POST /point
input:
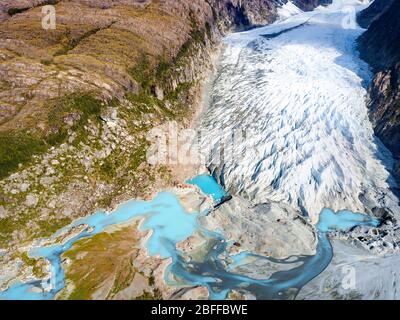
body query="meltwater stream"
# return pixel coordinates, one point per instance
(164, 215)
(171, 224)
(299, 83)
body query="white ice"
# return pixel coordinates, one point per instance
(300, 98)
(288, 10)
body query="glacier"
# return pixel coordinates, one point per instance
(287, 120)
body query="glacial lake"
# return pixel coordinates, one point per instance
(209, 186)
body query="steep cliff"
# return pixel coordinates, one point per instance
(373, 12)
(380, 43)
(380, 46)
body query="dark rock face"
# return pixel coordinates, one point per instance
(380, 46)
(385, 107)
(239, 15)
(9, 8)
(308, 5)
(373, 12)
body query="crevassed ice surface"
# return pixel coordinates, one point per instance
(295, 91)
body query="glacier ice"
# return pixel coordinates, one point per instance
(294, 92)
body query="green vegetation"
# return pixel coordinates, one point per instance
(50, 226)
(164, 68)
(142, 73)
(35, 264)
(151, 280)
(123, 279)
(180, 89)
(7, 226)
(108, 169)
(138, 156)
(86, 104)
(46, 62)
(81, 108)
(28, 261)
(13, 11)
(196, 36)
(42, 228)
(145, 103)
(118, 160)
(18, 147)
(72, 42)
(156, 295)
(147, 76)
(103, 260)
(70, 114)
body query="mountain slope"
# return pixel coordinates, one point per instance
(76, 102)
(373, 12)
(379, 46)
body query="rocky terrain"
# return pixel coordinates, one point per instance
(379, 46)
(372, 12)
(308, 5)
(271, 230)
(76, 103)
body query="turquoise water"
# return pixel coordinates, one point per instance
(164, 215)
(344, 220)
(240, 259)
(220, 279)
(170, 224)
(209, 186)
(213, 274)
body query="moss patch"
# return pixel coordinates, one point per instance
(17, 148)
(79, 107)
(101, 261)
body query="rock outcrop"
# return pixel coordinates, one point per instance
(269, 229)
(373, 12)
(308, 5)
(379, 46)
(380, 43)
